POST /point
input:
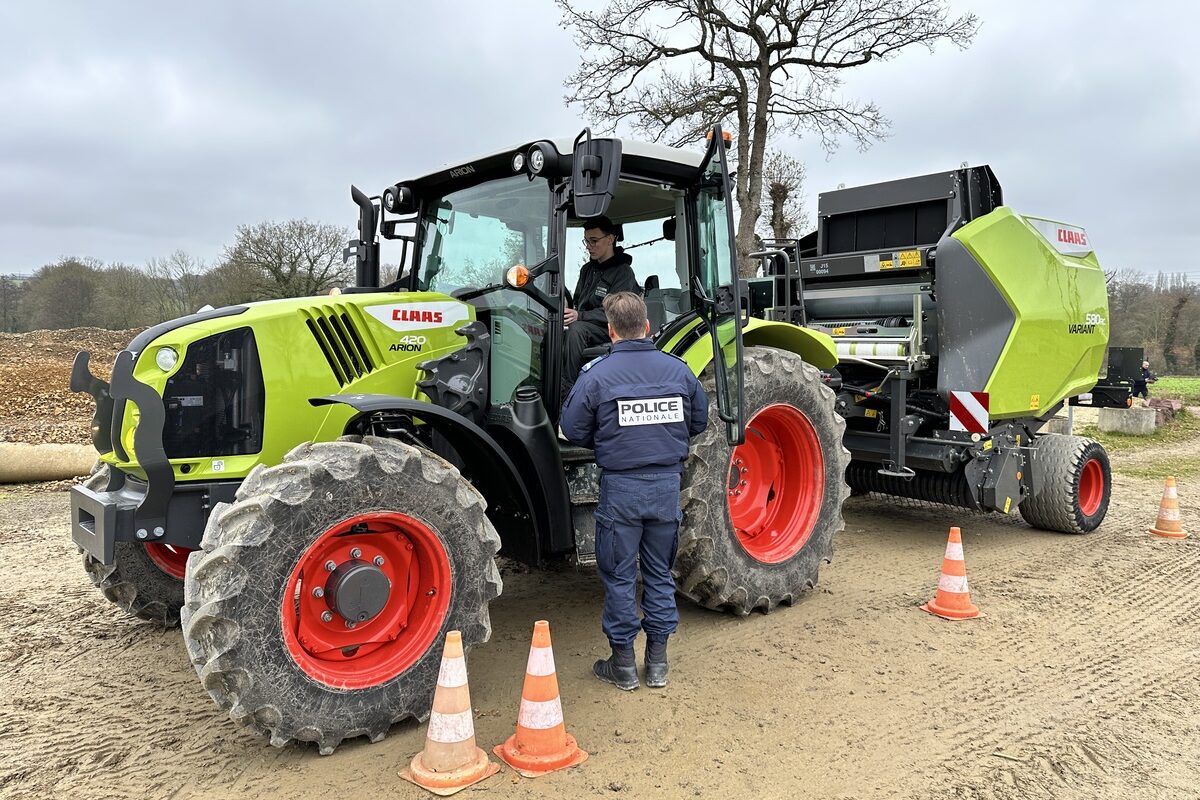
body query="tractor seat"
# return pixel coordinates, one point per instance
(656, 309)
(656, 312)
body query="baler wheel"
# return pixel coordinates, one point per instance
(1076, 485)
(759, 519)
(143, 582)
(317, 607)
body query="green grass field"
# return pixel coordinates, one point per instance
(1177, 386)
(1185, 427)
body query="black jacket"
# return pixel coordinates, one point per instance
(597, 281)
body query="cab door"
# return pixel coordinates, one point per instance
(715, 282)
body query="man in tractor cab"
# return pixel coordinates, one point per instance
(608, 271)
(637, 407)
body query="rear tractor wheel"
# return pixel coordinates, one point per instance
(1076, 485)
(759, 518)
(317, 607)
(145, 580)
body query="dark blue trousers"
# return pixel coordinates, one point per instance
(638, 518)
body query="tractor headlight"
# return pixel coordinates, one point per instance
(537, 160)
(518, 162)
(166, 358)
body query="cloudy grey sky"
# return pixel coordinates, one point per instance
(130, 129)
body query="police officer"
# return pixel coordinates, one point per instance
(636, 407)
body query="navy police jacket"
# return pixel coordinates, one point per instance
(636, 407)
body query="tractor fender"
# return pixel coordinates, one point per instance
(814, 347)
(510, 502)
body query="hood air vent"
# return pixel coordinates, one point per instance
(340, 341)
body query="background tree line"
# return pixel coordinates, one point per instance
(1160, 313)
(269, 260)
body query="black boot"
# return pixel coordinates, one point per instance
(656, 662)
(619, 669)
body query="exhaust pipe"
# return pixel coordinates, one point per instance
(366, 246)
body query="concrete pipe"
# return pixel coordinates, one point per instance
(23, 463)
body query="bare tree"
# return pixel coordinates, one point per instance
(783, 182)
(672, 68)
(1178, 290)
(125, 298)
(296, 258)
(178, 283)
(230, 284)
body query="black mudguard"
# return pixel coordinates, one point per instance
(522, 514)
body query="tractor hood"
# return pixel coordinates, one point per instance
(214, 379)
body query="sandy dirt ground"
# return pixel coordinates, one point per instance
(1080, 681)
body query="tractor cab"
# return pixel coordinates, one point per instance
(504, 234)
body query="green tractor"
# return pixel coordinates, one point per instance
(319, 487)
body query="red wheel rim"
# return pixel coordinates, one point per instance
(1091, 487)
(169, 558)
(776, 484)
(374, 651)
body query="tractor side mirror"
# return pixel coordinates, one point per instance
(595, 170)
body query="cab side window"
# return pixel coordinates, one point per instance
(660, 266)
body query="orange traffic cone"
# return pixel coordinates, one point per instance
(450, 761)
(953, 599)
(1168, 514)
(541, 743)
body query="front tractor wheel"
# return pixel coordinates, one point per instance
(146, 580)
(1075, 485)
(759, 518)
(316, 608)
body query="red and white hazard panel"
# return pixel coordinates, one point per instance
(969, 412)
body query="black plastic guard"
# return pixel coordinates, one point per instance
(82, 380)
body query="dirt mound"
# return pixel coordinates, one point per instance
(35, 372)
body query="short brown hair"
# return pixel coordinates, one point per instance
(626, 314)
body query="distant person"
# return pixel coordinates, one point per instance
(608, 271)
(1140, 383)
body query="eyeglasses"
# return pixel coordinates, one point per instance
(595, 240)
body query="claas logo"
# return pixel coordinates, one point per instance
(1072, 237)
(415, 315)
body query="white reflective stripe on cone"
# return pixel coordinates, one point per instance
(953, 583)
(541, 661)
(1170, 492)
(451, 728)
(453, 673)
(954, 551)
(1171, 514)
(540, 715)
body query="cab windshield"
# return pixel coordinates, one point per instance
(472, 236)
